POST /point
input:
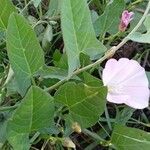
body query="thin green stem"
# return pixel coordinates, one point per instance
(76, 72)
(108, 54)
(26, 6)
(93, 135)
(108, 119)
(40, 11)
(134, 3)
(33, 81)
(141, 20)
(8, 108)
(39, 22)
(25, 2)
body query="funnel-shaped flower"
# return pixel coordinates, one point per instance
(125, 20)
(127, 83)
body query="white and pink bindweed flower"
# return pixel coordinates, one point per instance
(125, 20)
(127, 83)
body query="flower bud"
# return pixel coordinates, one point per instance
(125, 20)
(67, 142)
(76, 127)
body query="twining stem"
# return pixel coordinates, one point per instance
(108, 54)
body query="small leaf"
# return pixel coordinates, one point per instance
(91, 80)
(54, 8)
(24, 51)
(109, 20)
(130, 138)
(142, 38)
(6, 8)
(85, 103)
(60, 60)
(124, 115)
(34, 113)
(78, 33)
(36, 3)
(84, 60)
(48, 35)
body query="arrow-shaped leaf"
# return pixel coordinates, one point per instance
(85, 103)
(24, 51)
(78, 33)
(35, 112)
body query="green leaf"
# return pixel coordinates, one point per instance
(24, 51)
(109, 20)
(36, 3)
(124, 115)
(6, 8)
(91, 80)
(85, 103)
(47, 37)
(130, 138)
(137, 16)
(142, 38)
(60, 60)
(84, 60)
(34, 113)
(54, 8)
(54, 73)
(78, 33)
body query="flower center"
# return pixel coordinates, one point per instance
(115, 89)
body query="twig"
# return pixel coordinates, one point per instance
(8, 108)
(108, 54)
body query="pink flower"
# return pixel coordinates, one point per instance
(125, 20)
(127, 83)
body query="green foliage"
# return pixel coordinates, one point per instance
(109, 20)
(30, 118)
(36, 2)
(145, 37)
(130, 138)
(24, 51)
(124, 115)
(6, 8)
(54, 8)
(54, 73)
(85, 103)
(91, 80)
(35, 112)
(3, 125)
(48, 36)
(78, 33)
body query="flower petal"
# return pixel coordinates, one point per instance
(114, 70)
(118, 99)
(107, 71)
(127, 83)
(138, 97)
